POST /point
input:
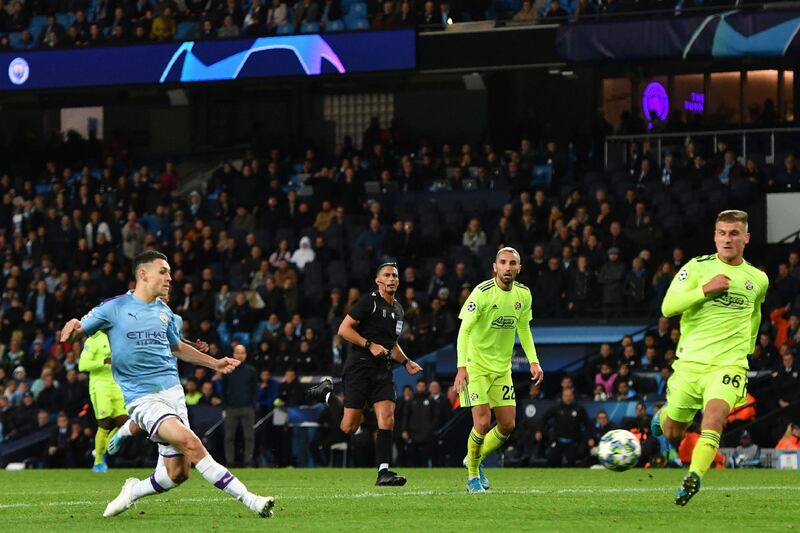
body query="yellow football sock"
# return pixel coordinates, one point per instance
(704, 452)
(100, 444)
(494, 439)
(474, 445)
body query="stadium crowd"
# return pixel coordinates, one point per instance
(57, 24)
(273, 251)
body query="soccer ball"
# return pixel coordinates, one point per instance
(619, 450)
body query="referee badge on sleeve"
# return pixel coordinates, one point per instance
(471, 306)
(683, 274)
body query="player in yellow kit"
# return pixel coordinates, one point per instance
(495, 312)
(105, 394)
(719, 299)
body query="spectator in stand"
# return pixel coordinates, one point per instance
(606, 378)
(730, 169)
(786, 383)
(635, 287)
(474, 237)
(610, 278)
(787, 178)
(407, 18)
(418, 426)
(526, 14)
(555, 11)
(786, 331)
(305, 11)
(164, 26)
(569, 432)
(228, 30)
(786, 286)
(277, 14)
(303, 255)
(551, 290)
(790, 439)
(428, 17)
(51, 27)
(386, 19)
(240, 390)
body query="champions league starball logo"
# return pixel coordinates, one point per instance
(655, 103)
(18, 71)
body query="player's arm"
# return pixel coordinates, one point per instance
(400, 356)
(347, 329)
(99, 318)
(685, 291)
(190, 355)
(470, 313)
(526, 341)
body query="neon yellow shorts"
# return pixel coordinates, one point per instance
(495, 389)
(107, 401)
(692, 385)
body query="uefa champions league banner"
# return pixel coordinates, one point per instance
(726, 34)
(210, 61)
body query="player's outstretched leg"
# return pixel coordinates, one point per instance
(133, 489)
(181, 437)
(714, 417)
(115, 442)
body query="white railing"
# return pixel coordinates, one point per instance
(659, 139)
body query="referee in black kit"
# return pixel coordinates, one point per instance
(371, 327)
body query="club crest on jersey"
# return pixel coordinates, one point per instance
(683, 274)
(471, 306)
(748, 285)
(517, 306)
(164, 318)
(473, 396)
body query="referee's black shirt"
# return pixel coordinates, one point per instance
(379, 322)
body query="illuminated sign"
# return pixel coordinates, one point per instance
(206, 61)
(696, 103)
(655, 103)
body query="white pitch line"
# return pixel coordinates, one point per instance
(363, 495)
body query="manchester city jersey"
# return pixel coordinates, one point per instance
(141, 336)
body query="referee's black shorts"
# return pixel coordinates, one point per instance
(366, 384)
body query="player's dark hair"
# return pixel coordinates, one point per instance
(386, 264)
(148, 256)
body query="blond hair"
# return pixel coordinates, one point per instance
(508, 249)
(733, 215)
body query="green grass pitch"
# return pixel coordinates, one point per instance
(433, 500)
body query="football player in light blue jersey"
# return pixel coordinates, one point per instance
(145, 341)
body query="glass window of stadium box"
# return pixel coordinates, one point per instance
(616, 99)
(708, 101)
(351, 113)
(787, 96)
(724, 99)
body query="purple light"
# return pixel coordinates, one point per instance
(655, 103)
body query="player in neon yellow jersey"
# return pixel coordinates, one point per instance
(719, 299)
(495, 312)
(105, 394)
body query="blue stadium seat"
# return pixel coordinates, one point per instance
(309, 27)
(186, 30)
(542, 176)
(285, 29)
(346, 5)
(15, 40)
(36, 24)
(358, 9)
(335, 25)
(65, 19)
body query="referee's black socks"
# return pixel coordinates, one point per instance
(383, 449)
